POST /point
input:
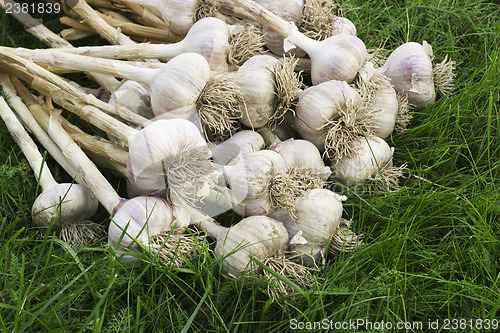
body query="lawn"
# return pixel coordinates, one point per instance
(432, 249)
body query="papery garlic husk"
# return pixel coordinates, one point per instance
(179, 14)
(64, 207)
(180, 162)
(287, 10)
(133, 96)
(139, 220)
(302, 154)
(240, 144)
(331, 116)
(317, 217)
(410, 70)
(372, 161)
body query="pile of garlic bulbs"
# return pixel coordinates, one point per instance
(259, 107)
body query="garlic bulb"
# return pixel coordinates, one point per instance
(380, 99)
(331, 116)
(303, 155)
(410, 70)
(240, 144)
(133, 96)
(269, 86)
(261, 238)
(177, 162)
(343, 25)
(372, 161)
(139, 220)
(317, 217)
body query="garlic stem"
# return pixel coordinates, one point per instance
(87, 112)
(29, 148)
(87, 172)
(37, 29)
(26, 117)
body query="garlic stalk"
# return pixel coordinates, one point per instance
(185, 160)
(191, 93)
(336, 58)
(261, 238)
(146, 221)
(372, 161)
(269, 87)
(411, 71)
(36, 28)
(62, 207)
(332, 116)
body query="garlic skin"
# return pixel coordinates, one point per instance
(257, 81)
(409, 68)
(343, 25)
(179, 14)
(317, 216)
(372, 155)
(141, 218)
(133, 96)
(258, 236)
(64, 203)
(302, 154)
(239, 145)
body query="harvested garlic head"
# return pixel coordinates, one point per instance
(372, 155)
(179, 14)
(140, 218)
(259, 236)
(304, 155)
(133, 96)
(380, 100)
(317, 215)
(409, 68)
(170, 154)
(331, 116)
(63, 205)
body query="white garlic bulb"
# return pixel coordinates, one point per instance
(180, 161)
(343, 25)
(330, 115)
(410, 70)
(317, 217)
(140, 218)
(304, 155)
(372, 155)
(237, 146)
(259, 236)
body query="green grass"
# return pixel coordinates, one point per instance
(432, 249)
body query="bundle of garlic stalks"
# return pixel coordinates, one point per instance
(260, 108)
